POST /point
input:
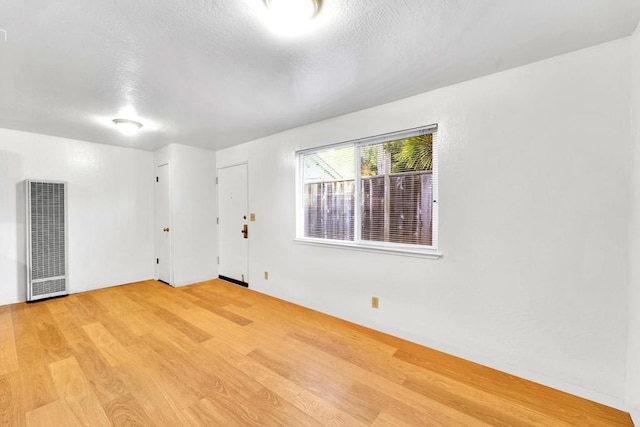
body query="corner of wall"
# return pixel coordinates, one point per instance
(161, 156)
(192, 211)
(632, 392)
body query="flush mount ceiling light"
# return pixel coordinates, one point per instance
(290, 17)
(293, 10)
(127, 127)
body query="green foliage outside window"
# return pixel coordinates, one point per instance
(411, 154)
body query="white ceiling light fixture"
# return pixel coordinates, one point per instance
(291, 17)
(293, 10)
(127, 127)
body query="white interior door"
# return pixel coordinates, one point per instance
(163, 221)
(233, 224)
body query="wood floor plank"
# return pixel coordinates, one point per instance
(218, 354)
(172, 302)
(302, 398)
(128, 331)
(117, 302)
(58, 306)
(364, 403)
(235, 409)
(204, 413)
(221, 406)
(92, 305)
(145, 391)
(37, 388)
(438, 387)
(216, 308)
(335, 378)
(140, 297)
(330, 387)
(452, 396)
(54, 413)
(220, 328)
(126, 411)
(103, 378)
(53, 341)
(355, 354)
(8, 353)
(387, 420)
(70, 328)
(193, 332)
(11, 411)
(216, 294)
(107, 344)
(427, 415)
(6, 320)
(212, 368)
(566, 408)
(281, 411)
(484, 411)
(81, 313)
(175, 388)
(74, 389)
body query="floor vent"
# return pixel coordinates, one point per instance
(47, 274)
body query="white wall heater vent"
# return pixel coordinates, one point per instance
(47, 272)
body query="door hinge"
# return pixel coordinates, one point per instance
(157, 179)
(216, 180)
(218, 220)
(157, 260)
(218, 260)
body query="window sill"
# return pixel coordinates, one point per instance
(417, 253)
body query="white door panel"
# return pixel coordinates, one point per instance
(163, 220)
(233, 220)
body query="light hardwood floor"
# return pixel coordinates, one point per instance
(218, 354)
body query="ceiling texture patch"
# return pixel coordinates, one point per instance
(213, 74)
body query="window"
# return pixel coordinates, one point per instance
(377, 193)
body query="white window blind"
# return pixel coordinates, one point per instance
(329, 193)
(378, 191)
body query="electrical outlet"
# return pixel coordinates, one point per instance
(266, 275)
(374, 302)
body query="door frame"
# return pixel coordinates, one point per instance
(156, 224)
(231, 165)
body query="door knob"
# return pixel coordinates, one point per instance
(166, 230)
(245, 231)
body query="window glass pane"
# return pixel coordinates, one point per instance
(328, 193)
(397, 191)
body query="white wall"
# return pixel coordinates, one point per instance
(193, 212)
(110, 203)
(534, 185)
(633, 355)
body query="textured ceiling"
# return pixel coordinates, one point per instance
(211, 73)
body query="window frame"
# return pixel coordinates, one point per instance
(357, 243)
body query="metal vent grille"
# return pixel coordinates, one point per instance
(47, 238)
(48, 287)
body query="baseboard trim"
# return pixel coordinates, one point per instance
(635, 417)
(33, 301)
(194, 281)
